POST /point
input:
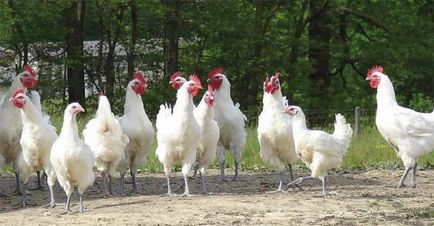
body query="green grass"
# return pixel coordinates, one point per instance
(368, 150)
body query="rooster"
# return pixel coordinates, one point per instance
(71, 158)
(10, 121)
(275, 130)
(319, 150)
(230, 120)
(105, 138)
(138, 128)
(36, 140)
(204, 115)
(178, 133)
(410, 133)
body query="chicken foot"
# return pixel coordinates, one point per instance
(134, 190)
(187, 190)
(52, 203)
(413, 176)
(404, 175)
(291, 175)
(169, 187)
(298, 181)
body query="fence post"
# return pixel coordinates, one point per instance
(357, 114)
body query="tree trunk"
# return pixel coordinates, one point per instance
(100, 59)
(255, 70)
(109, 68)
(171, 33)
(131, 54)
(319, 40)
(74, 50)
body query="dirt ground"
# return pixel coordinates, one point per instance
(358, 198)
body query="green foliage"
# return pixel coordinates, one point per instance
(421, 103)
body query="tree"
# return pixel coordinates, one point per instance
(171, 35)
(74, 50)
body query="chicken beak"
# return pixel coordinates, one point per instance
(81, 109)
(367, 78)
(170, 82)
(11, 99)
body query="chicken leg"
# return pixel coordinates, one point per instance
(202, 183)
(17, 189)
(291, 175)
(404, 175)
(298, 181)
(81, 203)
(104, 185)
(169, 187)
(24, 194)
(187, 190)
(52, 203)
(110, 190)
(39, 186)
(133, 179)
(196, 167)
(413, 176)
(324, 185)
(280, 178)
(222, 171)
(237, 166)
(122, 184)
(68, 203)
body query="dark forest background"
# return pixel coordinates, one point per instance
(322, 48)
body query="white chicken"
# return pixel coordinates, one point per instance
(210, 133)
(71, 158)
(275, 130)
(410, 133)
(319, 150)
(178, 132)
(10, 122)
(105, 138)
(230, 120)
(36, 100)
(36, 140)
(138, 128)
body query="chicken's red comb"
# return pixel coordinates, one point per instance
(195, 79)
(214, 71)
(139, 76)
(375, 68)
(17, 91)
(29, 70)
(175, 75)
(267, 80)
(275, 76)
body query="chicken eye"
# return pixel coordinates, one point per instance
(74, 107)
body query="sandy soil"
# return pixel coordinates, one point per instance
(358, 198)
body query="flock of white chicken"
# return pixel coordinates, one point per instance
(188, 134)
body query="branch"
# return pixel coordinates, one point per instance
(364, 33)
(316, 13)
(268, 19)
(366, 18)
